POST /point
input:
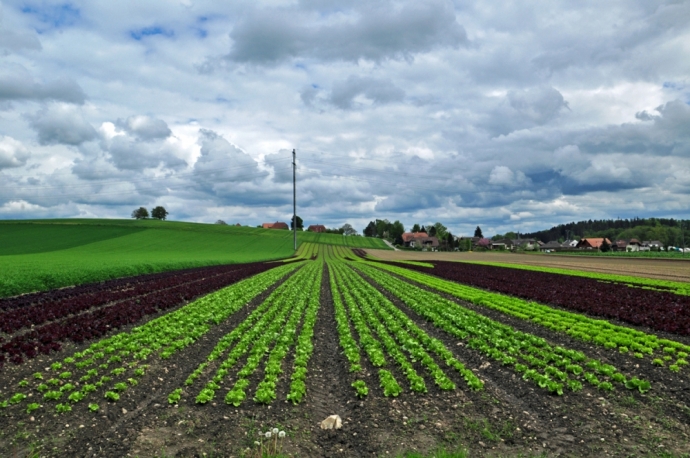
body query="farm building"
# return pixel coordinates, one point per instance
(419, 239)
(633, 245)
(553, 245)
(593, 243)
(316, 228)
(620, 245)
(276, 225)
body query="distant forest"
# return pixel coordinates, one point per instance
(663, 229)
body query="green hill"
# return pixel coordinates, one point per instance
(45, 254)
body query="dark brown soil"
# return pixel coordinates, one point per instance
(510, 417)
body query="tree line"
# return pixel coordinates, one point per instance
(393, 231)
(665, 230)
(156, 213)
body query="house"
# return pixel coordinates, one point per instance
(633, 245)
(620, 245)
(526, 244)
(276, 225)
(551, 246)
(592, 243)
(419, 239)
(498, 245)
(569, 244)
(316, 228)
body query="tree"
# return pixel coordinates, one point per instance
(300, 223)
(423, 229)
(415, 228)
(605, 247)
(382, 228)
(347, 229)
(159, 213)
(140, 213)
(220, 221)
(441, 230)
(478, 232)
(370, 230)
(449, 241)
(432, 232)
(396, 230)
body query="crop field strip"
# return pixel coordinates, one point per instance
(33, 311)
(370, 310)
(675, 287)
(659, 310)
(552, 367)
(90, 315)
(48, 254)
(163, 336)
(598, 332)
(274, 322)
(396, 326)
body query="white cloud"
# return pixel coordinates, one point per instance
(12, 153)
(481, 113)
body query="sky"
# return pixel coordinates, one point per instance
(514, 116)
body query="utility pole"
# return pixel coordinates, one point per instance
(294, 196)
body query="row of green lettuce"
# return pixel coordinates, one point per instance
(550, 366)
(660, 352)
(113, 365)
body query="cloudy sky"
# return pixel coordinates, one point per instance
(510, 115)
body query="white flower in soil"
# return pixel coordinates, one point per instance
(268, 434)
(274, 430)
(257, 443)
(281, 434)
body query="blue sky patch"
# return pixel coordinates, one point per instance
(150, 31)
(54, 16)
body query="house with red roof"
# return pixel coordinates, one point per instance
(419, 239)
(316, 228)
(592, 243)
(276, 225)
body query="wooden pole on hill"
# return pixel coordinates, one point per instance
(294, 197)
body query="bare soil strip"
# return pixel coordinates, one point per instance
(662, 269)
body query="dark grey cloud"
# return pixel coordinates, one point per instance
(127, 153)
(526, 108)
(16, 84)
(96, 168)
(406, 201)
(145, 127)
(376, 31)
(281, 163)
(222, 165)
(61, 124)
(12, 153)
(378, 91)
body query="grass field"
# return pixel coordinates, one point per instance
(46, 254)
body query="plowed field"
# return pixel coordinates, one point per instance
(675, 270)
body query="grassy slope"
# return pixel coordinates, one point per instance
(46, 254)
